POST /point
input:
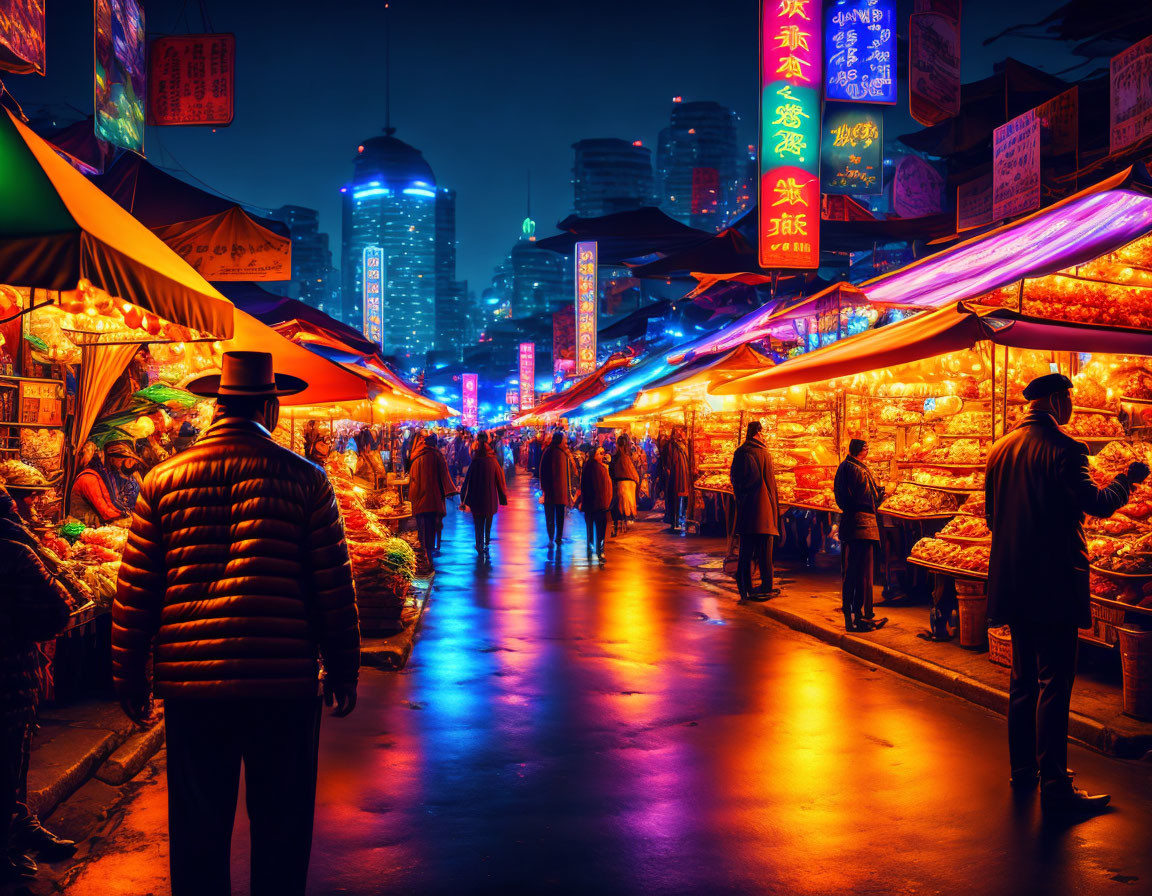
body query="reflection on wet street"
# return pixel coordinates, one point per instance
(566, 728)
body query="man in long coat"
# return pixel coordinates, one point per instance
(857, 496)
(677, 480)
(595, 499)
(1037, 490)
(757, 513)
(557, 476)
(483, 491)
(429, 486)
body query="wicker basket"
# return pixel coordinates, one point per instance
(1000, 646)
(1104, 622)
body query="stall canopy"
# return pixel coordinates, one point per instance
(949, 329)
(1078, 229)
(562, 404)
(693, 381)
(57, 228)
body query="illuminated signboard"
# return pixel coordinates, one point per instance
(852, 152)
(120, 73)
(586, 289)
(470, 400)
(860, 51)
(527, 375)
(789, 184)
(191, 80)
(374, 295)
(512, 398)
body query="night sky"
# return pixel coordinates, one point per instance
(486, 90)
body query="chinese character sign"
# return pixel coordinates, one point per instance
(527, 375)
(1016, 166)
(933, 67)
(563, 342)
(852, 152)
(191, 79)
(470, 400)
(1130, 97)
(22, 36)
(374, 295)
(587, 287)
(120, 73)
(512, 398)
(860, 51)
(790, 80)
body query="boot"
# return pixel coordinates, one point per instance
(37, 839)
(17, 867)
(1061, 797)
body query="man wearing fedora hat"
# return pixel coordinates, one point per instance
(236, 583)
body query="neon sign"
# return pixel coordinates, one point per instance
(469, 398)
(527, 375)
(790, 78)
(374, 295)
(860, 51)
(586, 288)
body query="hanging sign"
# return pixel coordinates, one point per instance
(41, 402)
(950, 8)
(852, 152)
(587, 287)
(860, 51)
(1059, 121)
(120, 84)
(527, 375)
(917, 189)
(789, 183)
(192, 80)
(1016, 166)
(230, 246)
(1130, 96)
(470, 400)
(563, 342)
(974, 203)
(374, 295)
(512, 398)
(22, 36)
(933, 67)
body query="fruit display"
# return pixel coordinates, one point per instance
(967, 528)
(909, 500)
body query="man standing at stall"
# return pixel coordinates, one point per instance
(1037, 490)
(757, 513)
(234, 587)
(677, 481)
(857, 496)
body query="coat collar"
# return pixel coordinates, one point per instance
(1037, 417)
(228, 425)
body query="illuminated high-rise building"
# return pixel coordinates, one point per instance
(312, 271)
(610, 175)
(698, 164)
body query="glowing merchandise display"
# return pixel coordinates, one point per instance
(789, 183)
(860, 51)
(374, 294)
(120, 83)
(527, 375)
(192, 80)
(586, 289)
(470, 400)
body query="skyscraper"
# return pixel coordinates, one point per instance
(611, 175)
(698, 164)
(451, 316)
(392, 202)
(312, 271)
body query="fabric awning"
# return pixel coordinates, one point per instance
(714, 369)
(561, 404)
(56, 228)
(230, 246)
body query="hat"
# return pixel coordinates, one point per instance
(1046, 385)
(122, 449)
(246, 374)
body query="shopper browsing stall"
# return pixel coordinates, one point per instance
(757, 513)
(430, 487)
(858, 495)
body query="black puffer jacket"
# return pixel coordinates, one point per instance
(236, 566)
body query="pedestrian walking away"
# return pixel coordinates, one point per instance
(857, 495)
(235, 585)
(625, 482)
(483, 491)
(557, 477)
(1037, 490)
(677, 481)
(757, 513)
(595, 499)
(429, 487)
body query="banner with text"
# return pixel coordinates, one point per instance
(374, 295)
(527, 375)
(933, 67)
(1016, 166)
(852, 152)
(192, 80)
(1130, 97)
(860, 51)
(470, 400)
(917, 189)
(974, 203)
(587, 287)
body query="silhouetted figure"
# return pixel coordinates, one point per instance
(1037, 490)
(757, 513)
(557, 476)
(857, 496)
(430, 484)
(235, 584)
(625, 482)
(483, 491)
(595, 499)
(677, 481)
(535, 452)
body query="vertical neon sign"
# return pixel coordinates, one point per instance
(527, 375)
(790, 81)
(374, 295)
(470, 401)
(586, 289)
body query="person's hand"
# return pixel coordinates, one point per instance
(342, 696)
(1137, 472)
(140, 710)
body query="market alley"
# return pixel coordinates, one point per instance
(566, 728)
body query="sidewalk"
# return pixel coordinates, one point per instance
(810, 603)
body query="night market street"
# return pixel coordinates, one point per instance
(564, 728)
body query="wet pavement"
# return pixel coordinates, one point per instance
(567, 728)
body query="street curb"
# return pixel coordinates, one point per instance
(124, 764)
(44, 799)
(393, 652)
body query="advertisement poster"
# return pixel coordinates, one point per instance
(22, 36)
(790, 86)
(374, 295)
(1016, 166)
(230, 246)
(587, 287)
(860, 51)
(192, 80)
(917, 189)
(933, 67)
(512, 398)
(470, 400)
(119, 77)
(527, 375)
(852, 152)
(974, 203)
(1130, 96)
(563, 341)
(1059, 120)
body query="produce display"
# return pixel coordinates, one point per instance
(940, 478)
(910, 500)
(964, 558)
(966, 527)
(17, 473)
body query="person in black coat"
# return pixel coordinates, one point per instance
(558, 474)
(483, 491)
(595, 499)
(757, 513)
(857, 496)
(33, 607)
(677, 481)
(1037, 490)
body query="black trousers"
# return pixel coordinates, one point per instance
(856, 557)
(15, 749)
(277, 742)
(483, 527)
(426, 525)
(758, 548)
(596, 522)
(554, 516)
(1039, 694)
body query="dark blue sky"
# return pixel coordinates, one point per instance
(485, 90)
